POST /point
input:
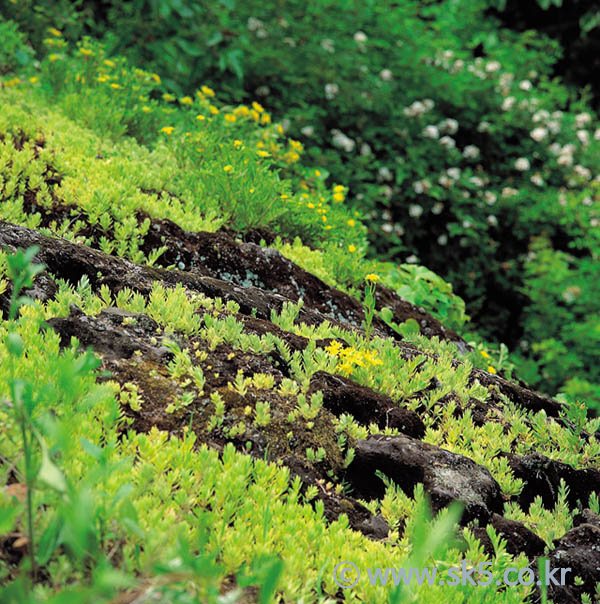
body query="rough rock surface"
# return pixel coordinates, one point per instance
(445, 476)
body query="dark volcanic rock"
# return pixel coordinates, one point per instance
(579, 550)
(542, 476)
(519, 539)
(446, 476)
(341, 395)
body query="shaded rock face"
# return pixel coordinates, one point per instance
(579, 550)
(446, 476)
(341, 395)
(519, 539)
(542, 477)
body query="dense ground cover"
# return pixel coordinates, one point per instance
(252, 413)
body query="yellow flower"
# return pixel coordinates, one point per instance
(213, 109)
(265, 119)
(338, 197)
(115, 86)
(255, 115)
(257, 107)
(237, 144)
(372, 277)
(251, 190)
(324, 218)
(167, 129)
(53, 58)
(339, 189)
(230, 117)
(102, 79)
(317, 173)
(86, 52)
(169, 98)
(33, 80)
(296, 145)
(291, 157)
(228, 168)
(146, 109)
(491, 369)
(279, 128)
(55, 32)
(263, 153)
(207, 91)
(200, 117)
(484, 354)
(155, 77)
(351, 222)
(186, 100)
(109, 63)
(351, 248)
(334, 348)
(310, 205)
(241, 111)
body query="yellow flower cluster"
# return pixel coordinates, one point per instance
(350, 357)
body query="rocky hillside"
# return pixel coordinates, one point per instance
(238, 410)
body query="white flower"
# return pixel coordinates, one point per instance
(385, 173)
(565, 159)
(450, 126)
(447, 142)
(360, 37)
(308, 130)
(492, 220)
(490, 198)
(570, 148)
(253, 24)
(583, 136)
(466, 224)
(594, 222)
(387, 191)
(492, 66)
(458, 65)
(412, 259)
(437, 208)
(263, 91)
(582, 120)
(387, 227)
(540, 115)
(522, 164)
(537, 179)
(290, 42)
(418, 187)
(331, 91)
(442, 239)
(365, 149)
(554, 126)
(525, 85)
(476, 181)
(597, 135)
(262, 33)
(431, 132)
(483, 127)
(539, 134)
(508, 103)
(415, 110)
(445, 181)
(509, 192)
(428, 104)
(328, 45)
(415, 210)
(582, 171)
(386, 75)
(342, 141)
(453, 173)
(471, 152)
(555, 148)
(587, 201)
